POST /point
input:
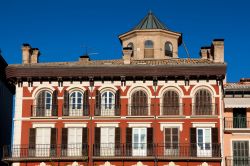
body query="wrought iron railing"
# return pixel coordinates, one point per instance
(237, 123)
(44, 150)
(204, 109)
(139, 110)
(166, 150)
(171, 109)
(237, 161)
(107, 110)
(44, 110)
(76, 110)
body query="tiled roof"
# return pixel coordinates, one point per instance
(237, 86)
(150, 22)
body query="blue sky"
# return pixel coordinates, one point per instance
(62, 28)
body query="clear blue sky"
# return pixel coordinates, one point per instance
(61, 28)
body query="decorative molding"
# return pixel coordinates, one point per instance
(171, 125)
(139, 124)
(49, 125)
(107, 164)
(171, 164)
(107, 124)
(42, 164)
(204, 164)
(204, 124)
(76, 124)
(139, 164)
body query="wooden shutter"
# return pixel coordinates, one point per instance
(150, 150)
(193, 146)
(97, 141)
(117, 103)
(32, 142)
(40, 104)
(167, 138)
(86, 103)
(129, 141)
(55, 103)
(215, 145)
(66, 104)
(117, 141)
(97, 103)
(139, 105)
(53, 141)
(85, 141)
(64, 141)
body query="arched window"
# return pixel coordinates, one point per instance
(168, 49)
(131, 45)
(43, 105)
(148, 49)
(76, 103)
(203, 103)
(139, 103)
(107, 103)
(171, 104)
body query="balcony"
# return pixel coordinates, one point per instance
(139, 110)
(45, 152)
(204, 109)
(44, 111)
(237, 124)
(107, 110)
(159, 151)
(169, 110)
(76, 110)
(237, 161)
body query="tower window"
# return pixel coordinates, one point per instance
(148, 49)
(131, 45)
(168, 49)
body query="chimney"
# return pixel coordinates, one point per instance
(127, 52)
(26, 53)
(84, 58)
(35, 55)
(205, 52)
(218, 50)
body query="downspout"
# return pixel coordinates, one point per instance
(221, 121)
(155, 85)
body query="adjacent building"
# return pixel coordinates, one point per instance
(148, 108)
(6, 101)
(237, 123)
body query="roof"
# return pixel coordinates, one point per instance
(237, 86)
(150, 22)
(237, 102)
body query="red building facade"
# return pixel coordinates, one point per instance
(149, 108)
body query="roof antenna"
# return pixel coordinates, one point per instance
(87, 51)
(186, 50)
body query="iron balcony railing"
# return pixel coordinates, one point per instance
(237, 123)
(171, 109)
(44, 151)
(237, 161)
(140, 110)
(107, 110)
(167, 150)
(204, 109)
(75, 110)
(44, 110)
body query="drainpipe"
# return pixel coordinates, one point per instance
(155, 85)
(221, 120)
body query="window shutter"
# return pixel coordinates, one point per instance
(86, 103)
(193, 146)
(32, 142)
(117, 141)
(215, 145)
(64, 141)
(97, 103)
(53, 141)
(66, 104)
(40, 104)
(129, 141)
(55, 103)
(117, 103)
(150, 141)
(97, 141)
(167, 137)
(85, 141)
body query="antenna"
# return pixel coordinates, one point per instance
(87, 50)
(184, 45)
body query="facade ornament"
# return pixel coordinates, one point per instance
(171, 164)
(204, 164)
(107, 164)
(139, 164)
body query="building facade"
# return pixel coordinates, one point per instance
(6, 101)
(148, 108)
(236, 123)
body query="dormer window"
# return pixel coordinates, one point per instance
(168, 49)
(148, 49)
(131, 45)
